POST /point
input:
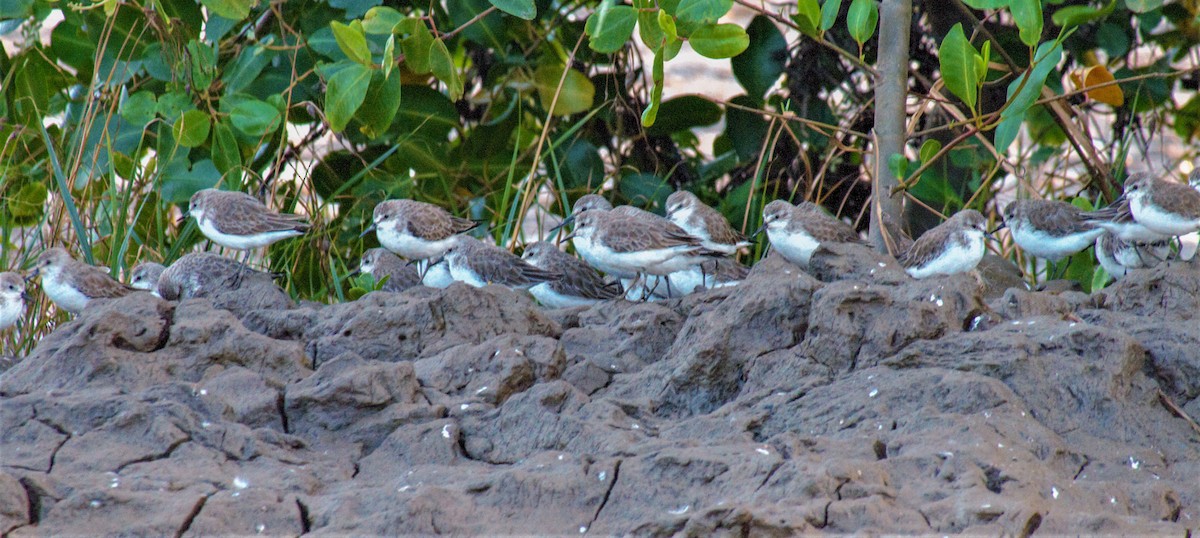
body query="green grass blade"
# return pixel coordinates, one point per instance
(64, 188)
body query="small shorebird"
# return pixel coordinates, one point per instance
(239, 221)
(144, 276)
(478, 264)
(200, 274)
(577, 285)
(704, 223)
(380, 263)
(1162, 206)
(72, 284)
(1119, 257)
(12, 299)
(952, 247)
(1049, 229)
(797, 231)
(416, 230)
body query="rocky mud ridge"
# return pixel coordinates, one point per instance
(851, 400)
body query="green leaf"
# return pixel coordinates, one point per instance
(760, 65)
(644, 190)
(139, 108)
(581, 166)
(380, 104)
(226, 154)
(380, 20)
(389, 56)
(352, 40)
(987, 4)
(29, 202)
(691, 15)
(957, 59)
(1143, 6)
(1100, 278)
(1071, 16)
(898, 165)
(344, 93)
(246, 68)
(829, 14)
(442, 65)
(746, 130)
(683, 113)
(929, 149)
(1028, 15)
(1046, 59)
(719, 40)
(191, 129)
(256, 118)
(610, 27)
(524, 9)
(416, 45)
(650, 115)
(230, 9)
(577, 95)
(425, 113)
(647, 24)
(807, 17)
(180, 182)
(862, 19)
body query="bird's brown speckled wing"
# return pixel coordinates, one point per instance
(238, 213)
(718, 227)
(95, 283)
(822, 226)
(1059, 219)
(401, 275)
(578, 279)
(927, 247)
(432, 223)
(503, 267)
(1177, 198)
(630, 234)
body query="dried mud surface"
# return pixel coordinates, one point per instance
(852, 399)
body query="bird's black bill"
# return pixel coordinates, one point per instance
(32, 275)
(182, 218)
(758, 232)
(998, 227)
(566, 220)
(369, 229)
(566, 237)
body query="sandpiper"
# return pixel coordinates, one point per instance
(719, 273)
(12, 299)
(1119, 257)
(144, 276)
(72, 284)
(478, 264)
(416, 230)
(797, 231)
(381, 263)
(1049, 229)
(952, 247)
(703, 222)
(437, 275)
(200, 274)
(1117, 219)
(1162, 206)
(620, 244)
(239, 221)
(577, 285)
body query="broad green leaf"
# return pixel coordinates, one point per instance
(226, 154)
(1046, 59)
(355, 8)
(204, 63)
(180, 181)
(1143, 6)
(255, 118)
(1100, 278)
(1070, 16)
(380, 20)
(957, 59)
(488, 31)
(415, 45)
(666, 23)
(862, 19)
(763, 62)
(191, 129)
(898, 165)
(352, 40)
(425, 113)
(987, 4)
(246, 67)
(577, 95)
(647, 24)
(644, 190)
(610, 27)
(380, 104)
(581, 165)
(344, 93)
(524, 9)
(389, 56)
(746, 130)
(650, 115)
(719, 40)
(1028, 15)
(442, 65)
(230, 9)
(829, 14)
(683, 113)
(691, 15)
(139, 108)
(29, 202)
(929, 149)
(807, 17)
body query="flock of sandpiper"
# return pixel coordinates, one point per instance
(644, 256)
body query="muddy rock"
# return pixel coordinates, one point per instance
(851, 399)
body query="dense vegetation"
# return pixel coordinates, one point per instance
(115, 112)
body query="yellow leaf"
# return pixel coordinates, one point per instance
(1095, 76)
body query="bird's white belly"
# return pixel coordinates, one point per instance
(797, 248)
(553, 299)
(1188, 244)
(1161, 221)
(63, 295)
(597, 258)
(954, 260)
(1054, 248)
(11, 310)
(410, 246)
(242, 242)
(437, 276)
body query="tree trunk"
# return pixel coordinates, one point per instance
(891, 90)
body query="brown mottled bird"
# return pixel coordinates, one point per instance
(577, 284)
(72, 284)
(1049, 229)
(381, 263)
(705, 223)
(200, 274)
(952, 247)
(239, 221)
(797, 231)
(416, 230)
(478, 264)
